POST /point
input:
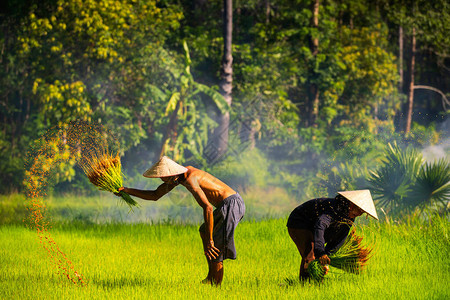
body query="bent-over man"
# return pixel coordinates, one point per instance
(320, 226)
(217, 232)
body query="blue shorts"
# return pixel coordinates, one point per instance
(226, 218)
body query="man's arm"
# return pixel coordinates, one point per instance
(339, 238)
(193, 186)
(149, 194)
(319, 240)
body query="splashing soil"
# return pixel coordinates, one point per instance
(51, 160)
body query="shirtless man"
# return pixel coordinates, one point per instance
(217, 232)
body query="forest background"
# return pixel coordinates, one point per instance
(282, 100)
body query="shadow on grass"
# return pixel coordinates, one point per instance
(295, 282)
(288, 282)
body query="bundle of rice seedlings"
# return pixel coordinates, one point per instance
(316, 270)
(105, 172)
(351, 257)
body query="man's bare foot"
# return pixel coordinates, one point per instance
(206, 281)
(210, 281)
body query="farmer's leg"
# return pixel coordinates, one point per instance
(308, 255)
(208, 278)
(216, 271)
(304, 240)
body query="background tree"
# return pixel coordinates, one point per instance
(189, 124)
(226, 80)
(313, 93)
(421, 23)
(124, 64)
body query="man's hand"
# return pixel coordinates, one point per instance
(211, 251)
(326, 269)
(308, 260)
(118, 191)
(324, 260)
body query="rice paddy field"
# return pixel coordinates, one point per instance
(164, 260)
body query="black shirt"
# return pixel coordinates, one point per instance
(327, 219)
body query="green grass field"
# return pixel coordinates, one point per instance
(161, 261)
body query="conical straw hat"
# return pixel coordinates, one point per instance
(363, 200)
(164, 167)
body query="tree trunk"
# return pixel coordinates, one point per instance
(399, 114)
(411, 83)
(313, 91)
(225, 86)
(247, 133)
(171, 127)
(267, 9)
(400, 59)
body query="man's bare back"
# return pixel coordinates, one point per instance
(214, 189)
(205, 188)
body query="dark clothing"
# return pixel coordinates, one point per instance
(327, 219)
(226, 218)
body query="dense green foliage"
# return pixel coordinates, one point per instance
(404, 182)
(162, 261)
(149, 71)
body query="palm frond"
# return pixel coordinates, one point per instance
(171, 105)
(393, 181)
(432, 185)
(218, 99)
